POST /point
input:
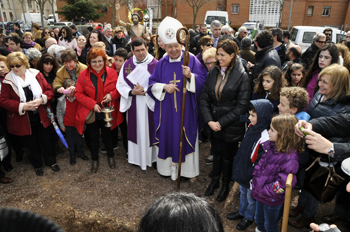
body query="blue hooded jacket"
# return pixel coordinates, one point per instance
(243, 167)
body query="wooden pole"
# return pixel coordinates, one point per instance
(183, 38)
(287, 199)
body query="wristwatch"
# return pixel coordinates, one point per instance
(331, 151)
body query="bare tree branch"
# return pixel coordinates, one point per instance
(196, 5)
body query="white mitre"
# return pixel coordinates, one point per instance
(167, 30)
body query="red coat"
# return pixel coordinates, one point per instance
(17, 120)
(85, 95)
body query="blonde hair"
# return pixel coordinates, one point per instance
(345, 53)
(3, 59)
(15, 58)
(99, 45)
(297, 97)
(27, 33)
(209, 53)
(287, 140)
(339, 77)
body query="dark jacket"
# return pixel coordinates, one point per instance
(270, 175)
(243, 168)
(327, 108)
(281, 50)
(83, 55)
(119, 43)
(264, 58)
(195, 44)
(308, 56)
(338, 125)
(247, 54)
(232, 102)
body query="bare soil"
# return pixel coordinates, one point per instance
(112, 199)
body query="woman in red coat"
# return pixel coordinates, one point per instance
(96, 88)
(24, 95)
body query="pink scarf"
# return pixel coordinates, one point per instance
(79, 50)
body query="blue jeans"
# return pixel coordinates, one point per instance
(266, 217)
(246, 204)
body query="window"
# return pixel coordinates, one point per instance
(310, 11)
(326, 11)
(5, 17)
(308, 37)
(235, 9)
(104, 9)
(11, 16)
(30, 4)
(1, 4)
(220, 7)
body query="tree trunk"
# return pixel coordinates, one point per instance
(24, 12)
(41, 7)
(195, 12)
(166, 8)
(53, 11)
(113, 10)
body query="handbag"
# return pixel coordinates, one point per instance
(322, 182)
(4, 150)
(90, 118)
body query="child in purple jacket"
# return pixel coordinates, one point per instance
(269, 182)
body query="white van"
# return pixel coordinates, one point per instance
(51, 19)
(210, 16)
(34, 18)
(303, 35)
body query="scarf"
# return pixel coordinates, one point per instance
(32, 44)
(223, 69)
(73, 73)
(29, 81)
(79, 50)
(100, 91)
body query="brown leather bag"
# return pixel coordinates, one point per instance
(90, 118)
(322, 182)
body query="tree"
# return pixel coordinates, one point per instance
(52, 4)
(23, 10)
(41, 4)
(196, 5)
(79, 8)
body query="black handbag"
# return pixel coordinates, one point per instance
(322, 182)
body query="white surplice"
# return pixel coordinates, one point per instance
(189, 168)
(140, 154)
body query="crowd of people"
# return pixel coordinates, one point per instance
(244, 95)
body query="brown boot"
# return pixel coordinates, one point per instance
(296, 211)
(301, 222)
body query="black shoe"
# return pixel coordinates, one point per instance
(94, 166)
(234, 216)
(127, 156)
(209, 160)
(39, 171)
(154, 165)
(242, 225)
(210, 190)
(111, 162)
(225, 190)
(8, 168)
(55, 168)
(72, 161)
(84, 157)
(184, 179)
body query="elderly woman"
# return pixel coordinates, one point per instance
(28, 41)
(71, 70)
(96, 87)
(57, 54)
(332, 98)
(33, 56)
(205, 43)
(67, 39)
(225, 96)
(209, 58)
(95, 36)
(24, 95)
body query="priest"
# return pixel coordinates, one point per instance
(132, 85)
(166, 88)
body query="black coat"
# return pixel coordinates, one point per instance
(264, 58)
(195, 44)
(308, 56)
(119, 43)
(233, 103)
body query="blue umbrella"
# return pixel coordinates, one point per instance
(58, 131)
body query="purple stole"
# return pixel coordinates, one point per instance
(132, 122)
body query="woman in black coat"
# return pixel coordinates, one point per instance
(225, 96)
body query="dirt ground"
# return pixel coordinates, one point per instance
(110, 200)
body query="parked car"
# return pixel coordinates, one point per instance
(303, 35)
(63, 24)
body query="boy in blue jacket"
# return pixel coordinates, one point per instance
(249, 152)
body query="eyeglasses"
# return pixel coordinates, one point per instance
(245, 32)
(224, 33)
(328, 34)
(47, 32)
(347, 36)
(97, 61)
(208, 63)
(322, 42)
(17, 66)
(209, 45)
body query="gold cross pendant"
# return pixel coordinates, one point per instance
(174, 82)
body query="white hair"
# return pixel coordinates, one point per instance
(106, 27)
(319, 35)
(52, 48)
(226, 28)
(33, 54)
(57, 52)
(241, 29)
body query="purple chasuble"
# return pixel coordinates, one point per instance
(132, 122)
(167, 113)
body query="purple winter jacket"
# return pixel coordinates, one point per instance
(270, 175)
